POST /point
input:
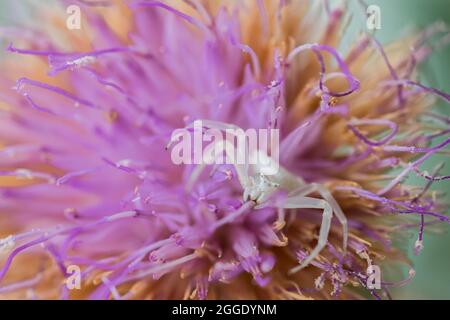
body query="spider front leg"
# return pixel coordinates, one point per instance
(279, 224)
(301, 202)
(281, 214)
(327, 196)
(211, 157)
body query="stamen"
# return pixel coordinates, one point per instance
(180, 14)
(392, 71)
(247, 49)
(67, 177)
(20, 285)
(22, 81)
(6, 244)
(232, 216)
(353, 82)
(121, 215)
(443, 95)
(29, 175)
(429, 153)
(392, 125)
(163, 267)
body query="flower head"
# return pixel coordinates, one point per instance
(87, 178)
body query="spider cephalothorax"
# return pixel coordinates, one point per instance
(259, 188)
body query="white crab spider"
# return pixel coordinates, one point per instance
(259, 186)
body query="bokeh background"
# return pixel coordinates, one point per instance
(398, 17)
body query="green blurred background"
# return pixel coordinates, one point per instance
(432, 280)
(432, 266)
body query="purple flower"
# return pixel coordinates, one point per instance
(87, 179)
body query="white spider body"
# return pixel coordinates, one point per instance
(261, 179)
(261, 182)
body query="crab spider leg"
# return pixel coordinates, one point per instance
(326, 195)
(211, 124)
(222, 126)
(194, 177)
(300, 202)
(242, 170)
(224, 146)
(336, 209)
(281, 212)
(302, 191)
(281, 219)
